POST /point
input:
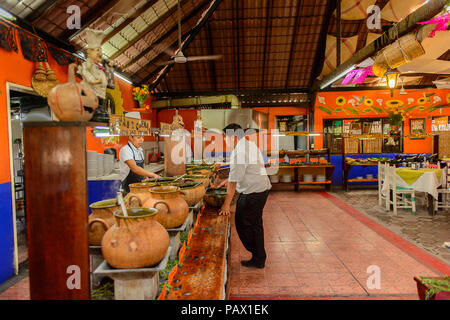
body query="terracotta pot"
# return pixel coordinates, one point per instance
(172, 208)
(72, 101)
(215, 197)
(139, 193)
(192, 192)
(101, 219)
(136, 241)
(203, 178)
(204, 170)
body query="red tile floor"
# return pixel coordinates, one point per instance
(319, 248)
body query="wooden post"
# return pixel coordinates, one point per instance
(57, 210)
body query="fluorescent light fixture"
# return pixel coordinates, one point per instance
(164, 135)
(314, 134)
(122, 77)
(7, 15)
(105, 134)
(341, 74)
(102, 128)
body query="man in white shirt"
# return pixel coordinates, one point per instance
(131, 163)
(247, 176)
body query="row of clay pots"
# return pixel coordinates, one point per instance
(172, 210)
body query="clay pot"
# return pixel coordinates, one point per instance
(136, 241)
(172, 208)
(215, 197)
(192, 192)
(139, 193)
(101, 219)
(72, 101)
(203, 178)
(204, 170)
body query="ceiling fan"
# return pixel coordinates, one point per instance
(177, 56)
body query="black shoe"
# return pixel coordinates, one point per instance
(252, 264)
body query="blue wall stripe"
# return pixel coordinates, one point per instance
(99, 190)
(6, 233)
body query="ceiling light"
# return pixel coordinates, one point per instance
(7, 15)
(122, 77)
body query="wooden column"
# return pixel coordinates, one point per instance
(57, 210)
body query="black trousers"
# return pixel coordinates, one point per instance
(249, 223)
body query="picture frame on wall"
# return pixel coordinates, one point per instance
(417, 126)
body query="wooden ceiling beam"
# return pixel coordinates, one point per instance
(165, 35)
(293, 41)
(96, 12)
(129, 20)
(268, 25)
(320, 53)
(45, 7)
(211, 52)
(147, 30)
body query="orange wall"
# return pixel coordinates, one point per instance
(14, 68)
(344, 105)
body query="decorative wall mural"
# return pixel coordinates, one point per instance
(371, 103)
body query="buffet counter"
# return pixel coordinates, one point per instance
(202, 274)
(152, 167)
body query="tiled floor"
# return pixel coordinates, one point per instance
(19, 291)
(317, 249)
(320, 247)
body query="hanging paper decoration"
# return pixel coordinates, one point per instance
(355, 9)
(397, 10)
(7, 36)
(441, 23)
(62, 57)
(348, 48)
(33, 48)
(358, 75)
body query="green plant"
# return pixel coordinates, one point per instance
(436, 285)
(105, 292)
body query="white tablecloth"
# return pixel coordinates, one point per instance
(427, 182)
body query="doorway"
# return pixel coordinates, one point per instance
(24, 105)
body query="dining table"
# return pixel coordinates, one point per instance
(426, 180)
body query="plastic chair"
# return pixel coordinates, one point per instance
(382, 182)
(443, 192)
(402, 198)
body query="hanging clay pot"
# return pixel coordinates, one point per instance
(40, 73)
(50, 74)
(172, 208)
(72, 101)
(135, 241)
(101, 219)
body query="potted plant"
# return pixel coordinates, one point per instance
(141, 95)
(430, 287)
